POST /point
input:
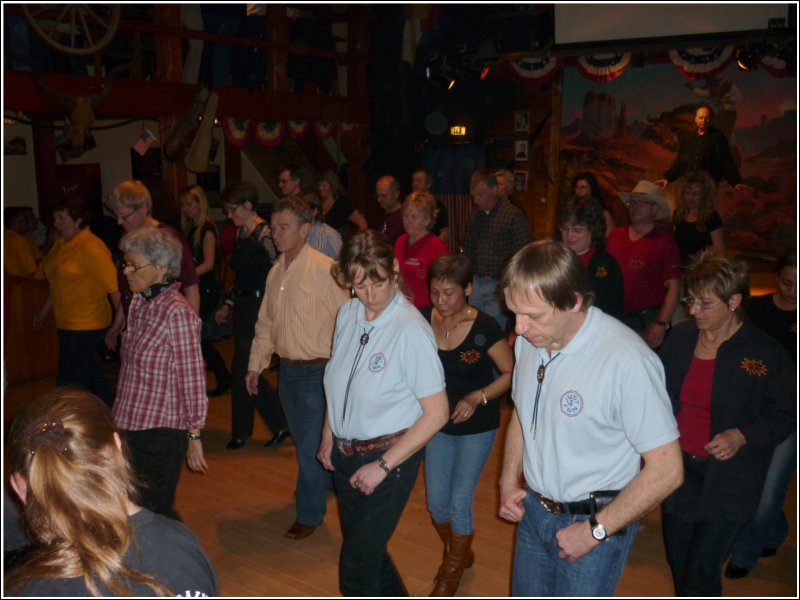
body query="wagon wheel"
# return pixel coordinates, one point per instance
(76, 29)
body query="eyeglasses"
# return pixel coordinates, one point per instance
(229, 210)
(126, 266)
(637, 203)
(126, 217)
(688, 302)
(576, 230)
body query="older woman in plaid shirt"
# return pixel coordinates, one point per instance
(161, 402)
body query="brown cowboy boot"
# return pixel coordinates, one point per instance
(458, 550)
(443, 529)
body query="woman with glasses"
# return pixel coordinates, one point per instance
(582, 227)
(251, 260)
(161, 400)
(733, 391)
(82, 279)
(201, 233)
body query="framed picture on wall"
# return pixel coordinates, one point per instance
(520, 150)
(520, 181)
(521, 121)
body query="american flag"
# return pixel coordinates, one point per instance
(144, 142)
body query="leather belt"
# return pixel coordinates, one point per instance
(302, 363)
(250, 293)
(350, 447)
(579, 507)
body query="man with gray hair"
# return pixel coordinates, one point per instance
(592, 431)
(495, 231)
(387, 189)
(131, 204)
(296, 321)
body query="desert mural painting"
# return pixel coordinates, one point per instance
(625, 130)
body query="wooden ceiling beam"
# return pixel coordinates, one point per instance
(152, 99)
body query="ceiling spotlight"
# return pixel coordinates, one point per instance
(485, 72)
(749, 57)
(452, 85)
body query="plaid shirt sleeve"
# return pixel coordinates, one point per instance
(189, 371)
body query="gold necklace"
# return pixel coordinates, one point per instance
(447, 332)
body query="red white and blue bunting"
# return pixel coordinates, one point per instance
(270, 133)
(541, 70)
(774, 62)
(237, 130)
(603, 67)
(701, 63)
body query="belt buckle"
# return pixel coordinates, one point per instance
(345, 447)
(550, 505)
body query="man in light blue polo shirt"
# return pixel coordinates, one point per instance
(590, 407)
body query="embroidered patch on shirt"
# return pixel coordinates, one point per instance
(637, 264)
(470, 356)
(754, 366)
(480, 340)
(601, 272)
(377, 362)
(571, 403)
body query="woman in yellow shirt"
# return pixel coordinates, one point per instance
(82, 277)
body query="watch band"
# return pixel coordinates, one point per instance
(484, 399)
(193, 436)
(382, 464)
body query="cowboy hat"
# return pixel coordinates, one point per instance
(653, 193)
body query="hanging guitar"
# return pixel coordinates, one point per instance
(196, 159)
(180, 139)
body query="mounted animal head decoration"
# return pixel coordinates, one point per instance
(81, 117)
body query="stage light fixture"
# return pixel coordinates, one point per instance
(748, 57)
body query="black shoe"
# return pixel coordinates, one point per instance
(733, 571)
(768, 552)
(236, 443)
(222, 387)
(277, 438)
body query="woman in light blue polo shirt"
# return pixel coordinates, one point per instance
(384, 386)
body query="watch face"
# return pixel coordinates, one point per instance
(598, 532)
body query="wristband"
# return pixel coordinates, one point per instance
(382, 464)
(192, 436)
(484, 399)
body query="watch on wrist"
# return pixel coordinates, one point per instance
(598, 531)
(382, 464)
(192, 436)
(665, 324)
(484, 399)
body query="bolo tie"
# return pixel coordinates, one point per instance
(540, 373)
(362, 341)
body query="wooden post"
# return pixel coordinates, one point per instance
(169, 68)
(44, 152)
(277, 60)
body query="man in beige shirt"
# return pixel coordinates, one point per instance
(296, 321)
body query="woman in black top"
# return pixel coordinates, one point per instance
(336, 209)
(201, 233)
(697, 224)
(471, 346)
(251, 260)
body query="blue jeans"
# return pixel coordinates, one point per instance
(769, 527)
(453, 466)
(368, 522)
(485, 296)
(77, 363)
(303, 398)
(539, 572)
